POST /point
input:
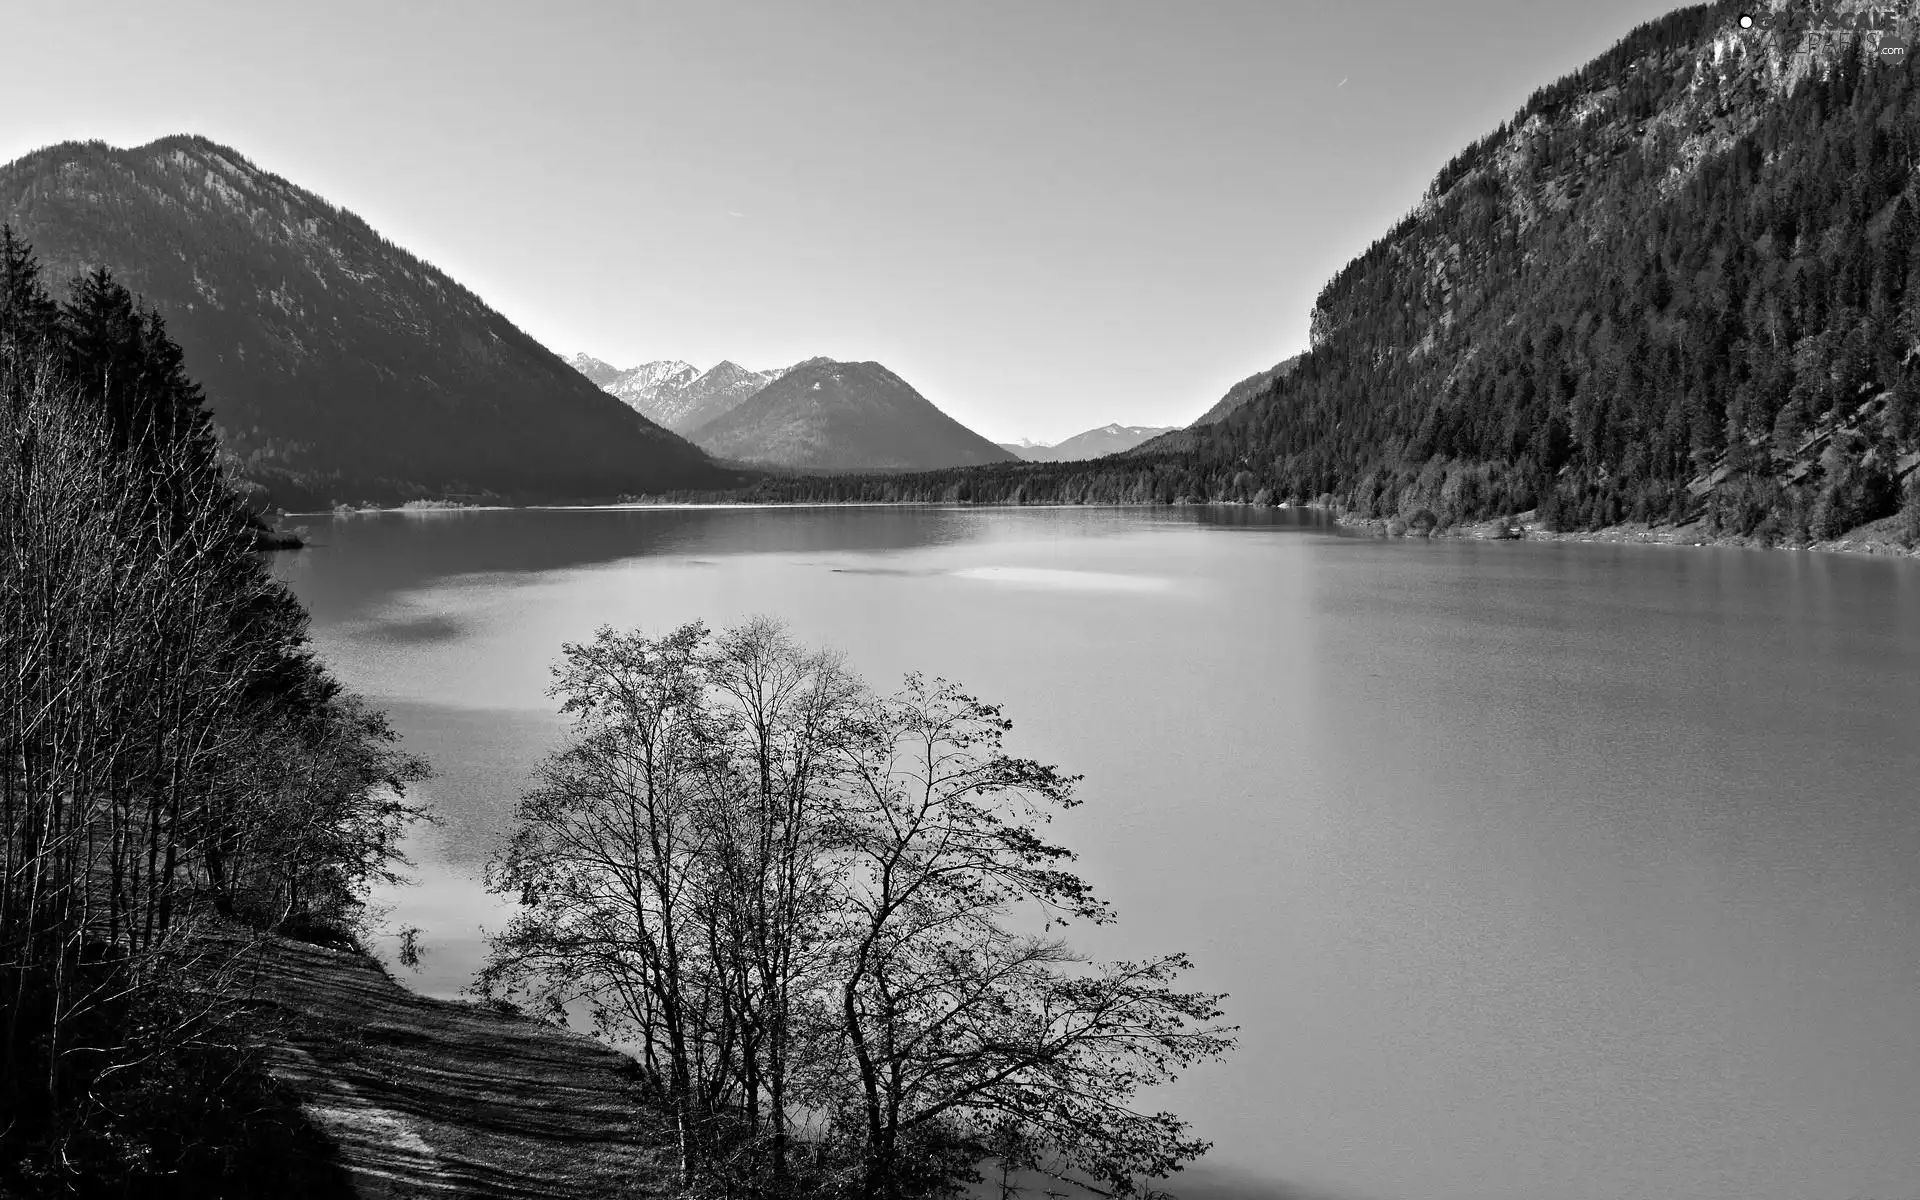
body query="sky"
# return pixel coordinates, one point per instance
(1046, 215)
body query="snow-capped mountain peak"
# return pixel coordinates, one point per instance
(675, 393)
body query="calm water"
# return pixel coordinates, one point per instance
(1535, 872)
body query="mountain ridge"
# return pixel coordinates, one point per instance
(1253, 385)
(1111, 438)
(675, 394)
(338, 366)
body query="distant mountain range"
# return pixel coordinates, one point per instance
(338, 366)
(675, 394)
(1118, 439)
(846, 416)
(1094, 443)
(853, 416)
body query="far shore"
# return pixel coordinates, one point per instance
(1879, 538)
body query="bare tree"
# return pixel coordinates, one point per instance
(961, 1032)
(166, 746)
(779, 729)
(795, 897)
(606, 861)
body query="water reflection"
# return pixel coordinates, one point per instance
(370, 555)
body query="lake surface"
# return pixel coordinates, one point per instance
(1534, 871)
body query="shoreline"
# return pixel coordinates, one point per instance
(1877, 539)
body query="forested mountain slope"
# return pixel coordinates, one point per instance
(1679, 282)
(1245, 390)
(338, 367)
(1656, 289)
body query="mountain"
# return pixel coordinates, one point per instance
(676, 394)
(711, 395)
(338, 366)
(1680, 284)
(1108, 439)
(1245, 390)
(849, 416)
(601, 373)
(640, 386)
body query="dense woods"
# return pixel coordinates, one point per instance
(826, 919)
(175, 767)
(1682, 282)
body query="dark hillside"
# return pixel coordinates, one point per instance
(338, 367)
(1253, 385)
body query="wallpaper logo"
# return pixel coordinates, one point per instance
(1890, 49)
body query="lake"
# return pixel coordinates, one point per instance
(1535, 871)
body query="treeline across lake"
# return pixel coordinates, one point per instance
(827, 919)
(175, 768)
(1134, 478)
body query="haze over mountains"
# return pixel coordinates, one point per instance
(338, 366)
(1108, 439)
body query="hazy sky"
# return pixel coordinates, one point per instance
(1044, 214)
